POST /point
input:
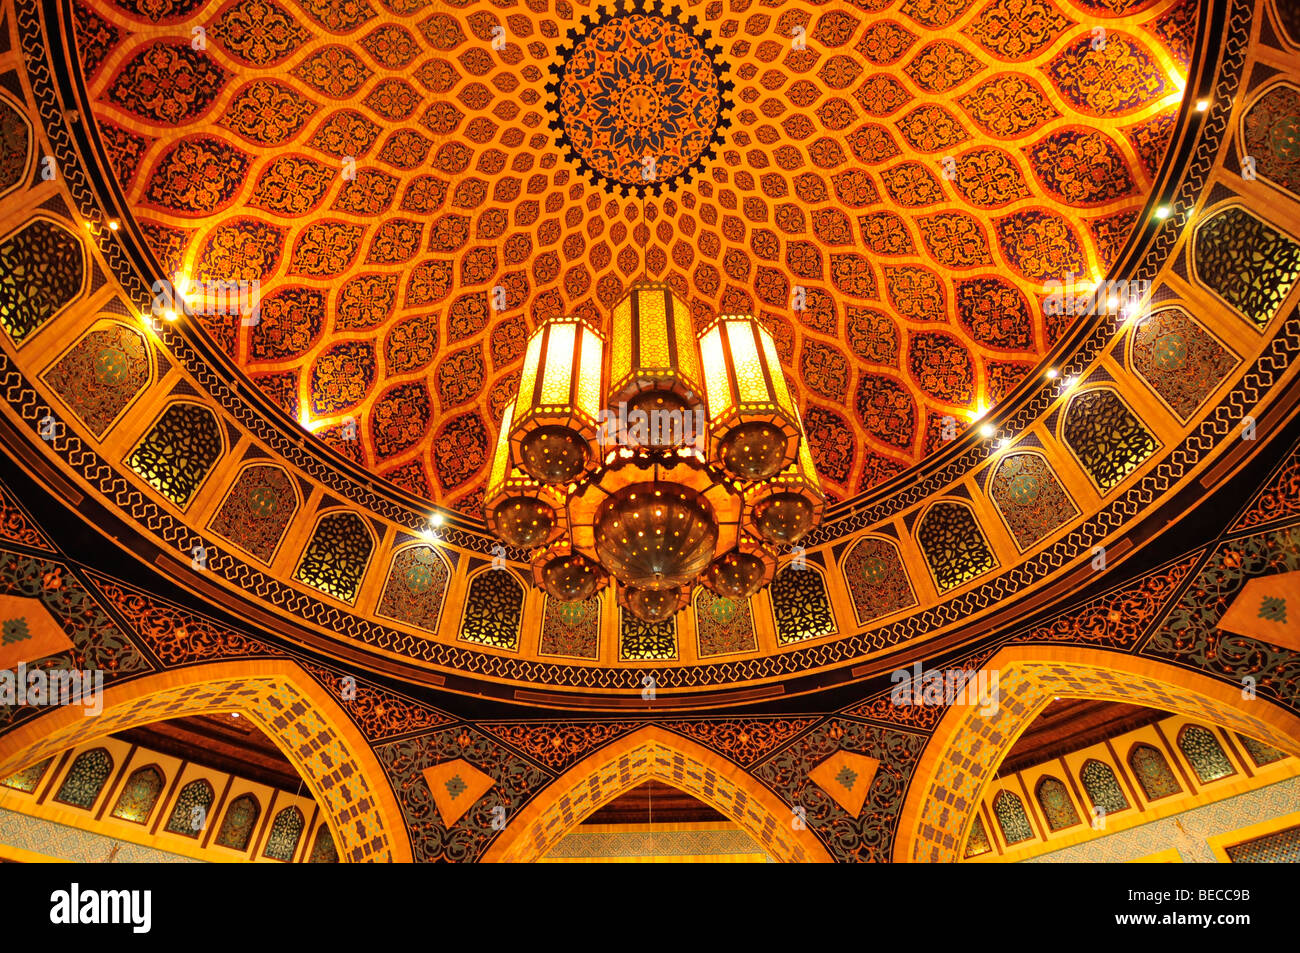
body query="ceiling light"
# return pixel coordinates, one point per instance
(656, 457)
(987, 430)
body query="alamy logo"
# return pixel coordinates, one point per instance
(217, 298)
(73, 906)
(58, 687)
(652, 428)
(954, 686)
(1105, 298)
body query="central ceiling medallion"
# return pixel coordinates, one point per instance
(639, 98)
(656, 457)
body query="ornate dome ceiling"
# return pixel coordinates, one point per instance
(889, 186)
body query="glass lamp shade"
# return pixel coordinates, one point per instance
(521, 511)
(565, 575)
(653, 346)
(753, 423)
(655, 535)
(558, 405)
(784, 508)
(653, 605)
(740, 572)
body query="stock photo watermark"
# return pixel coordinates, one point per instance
(953, 686)
(56, 688)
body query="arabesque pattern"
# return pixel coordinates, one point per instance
(904, 179)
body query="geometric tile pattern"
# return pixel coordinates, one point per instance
(1282, 847)
(847, 778)
(392, 181)
(866, 836)
(455, 786)
(1197, 825)
(60, 841)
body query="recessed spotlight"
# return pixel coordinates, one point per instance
(1163, 212)
(1052, 373)
(1202, 105)
(987, 430)
(112, 224)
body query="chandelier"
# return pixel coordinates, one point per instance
(657, 457)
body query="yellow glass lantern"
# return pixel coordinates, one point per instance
(655, 363)
(520, 510)
(558, 406)
(785, 507)
(753, 423)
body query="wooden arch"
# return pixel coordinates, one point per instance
(654, 752)
(304, 721)
(967, 748)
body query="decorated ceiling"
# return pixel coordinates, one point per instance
(1127, 529)
(888, 184)
(164, 450)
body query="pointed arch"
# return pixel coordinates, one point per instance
(801, 604)
(139, 795)
(103, 373)
(44, 269)
(953, 543)
(286, 833)
(303, 720)
(239, 822)
(877, 578)
(1029, 496)
(338, 554)
(494, 608)
(1102, 786)
(260, 503)
(1204, 753)
(179, 451)
(415, 591)
(1056, 804)
(14, 124)
(966, 747)
(189, 814)
(1105, 436)
(1151, 768)
(1266, 114)
(655, 753)
(85, 780)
